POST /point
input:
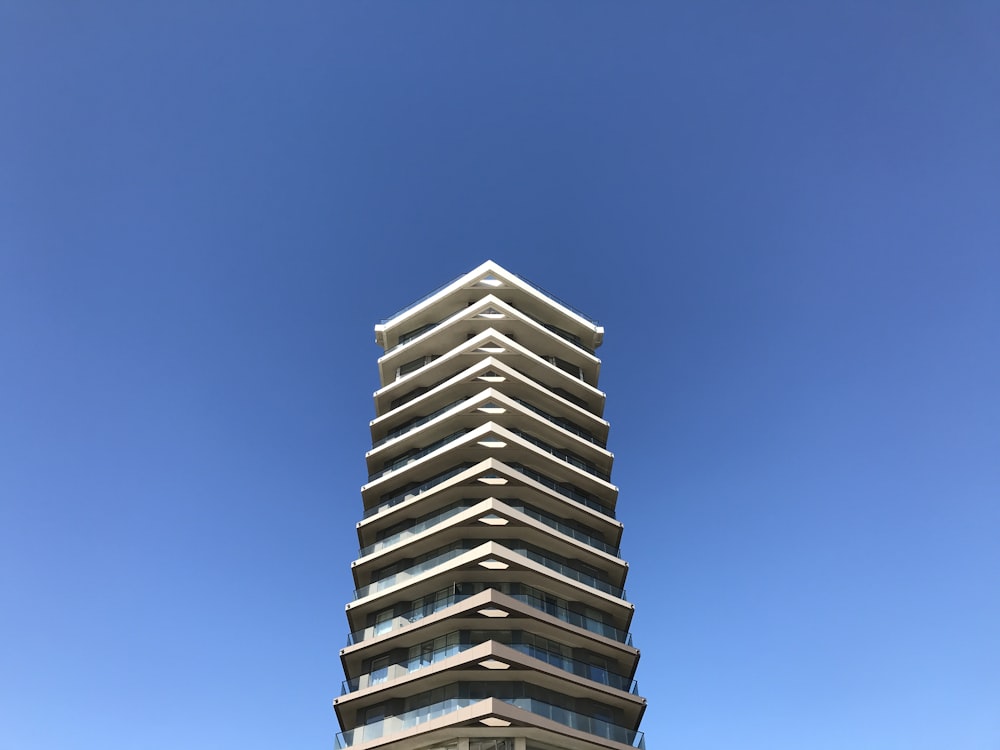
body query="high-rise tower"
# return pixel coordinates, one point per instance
(490, 612)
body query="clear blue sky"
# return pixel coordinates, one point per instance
(787, 216)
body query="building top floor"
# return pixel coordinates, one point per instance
(488, 279)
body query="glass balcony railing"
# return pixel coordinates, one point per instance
(571, 493)
(581, 721)
(427, 658)
(441, 600)
(416, 570)
(388, 501)
(560, 332)
(419, 301)
(407, 337)
(400, 722)
(559, 421)
(532, 554)
(454, 510)
(403, 429)
(411, 457)
(570, 337)
(579, 668)
(573, 719)
(563, 455)
(570, 572)
(574, 618)
(561, 392)
(417, 528)
(394, 671)
(588, 318)
(568, 530)
(532, 597)
(413, 394)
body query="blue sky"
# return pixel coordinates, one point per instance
(785, 214)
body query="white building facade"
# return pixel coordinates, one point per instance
(490, 610)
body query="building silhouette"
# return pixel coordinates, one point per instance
(490, 610)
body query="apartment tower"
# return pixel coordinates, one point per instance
(490, 609)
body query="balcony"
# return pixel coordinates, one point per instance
(575, 667)
(560, 422)
(395, 671)
(581, 721)
(562, 333)
(414, 571)
(566, 456)
(461, 548)
(573, 719)
(453, 510)
(401, 722)
(562, 489)
(416, 528)
(568, 530)
(534, 598)
(569, 571)
(402, 497)
(403, 429)
(565, 424)
(416, 456)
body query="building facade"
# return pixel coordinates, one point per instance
(490, 609)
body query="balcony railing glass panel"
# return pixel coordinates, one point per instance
(388, 501)
(409, 666)
(417, 528)
(411, 457)
(409, 719)
(568, 530)
(563, 490)
(403, 429)
(414, 571)
(581, 721)
(563, 455)
(570, 572)
(427, 658)
(526, 594)
(564, 423)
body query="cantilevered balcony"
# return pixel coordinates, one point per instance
(430, 370)
(489, 405)
(488, 280)
(489, 478)
(507, 595)
(491, 521)
(574, 570)
(491, 313)
(492, 440)
(519, 699)
(489, 372)
(505, 566)
(501, 667)
(485, 511)
(520, 641)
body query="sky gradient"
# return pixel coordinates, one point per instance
(784, 214)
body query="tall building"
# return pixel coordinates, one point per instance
(490, 609)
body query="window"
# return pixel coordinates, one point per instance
(383, 622)
(379, 670)
(411, 366)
